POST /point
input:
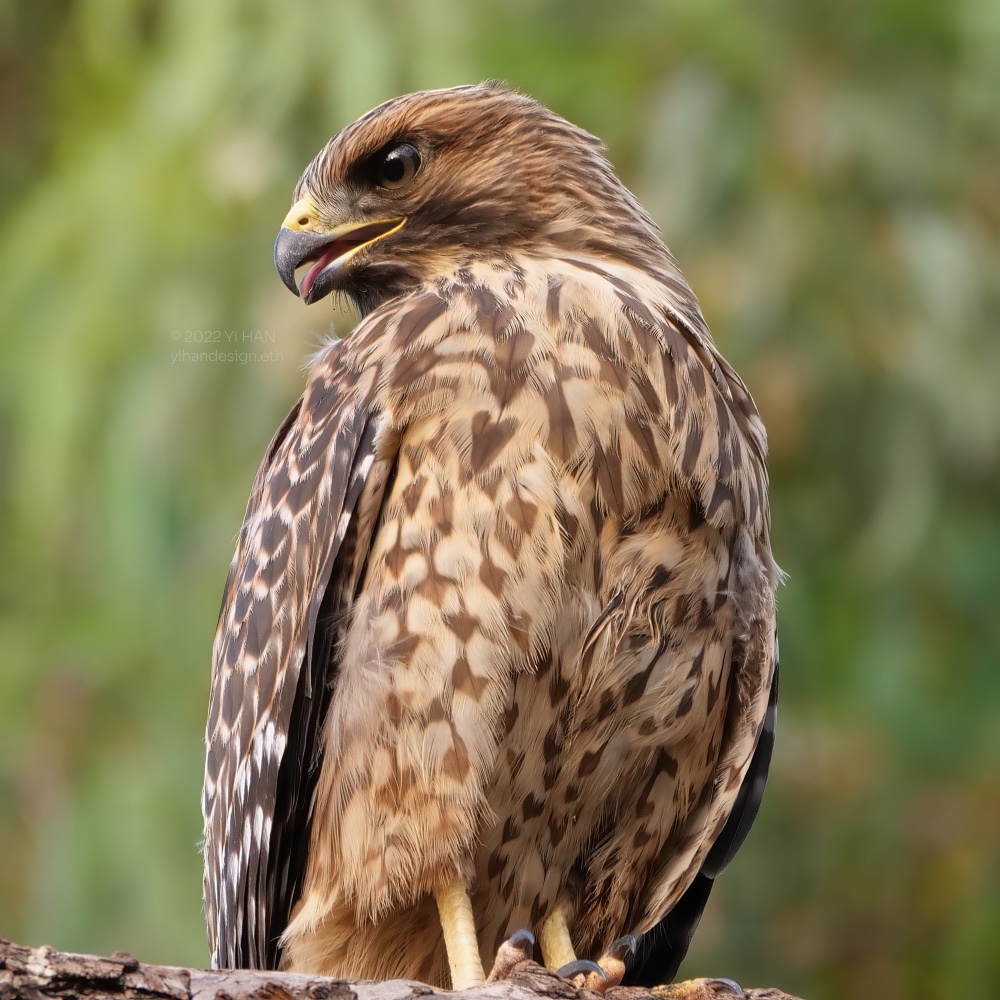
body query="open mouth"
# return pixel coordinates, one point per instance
(324, 255)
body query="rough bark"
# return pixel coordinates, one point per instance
(35, 973)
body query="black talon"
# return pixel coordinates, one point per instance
(580, 966)
(732, 987)
(625, 945)
(523, 940)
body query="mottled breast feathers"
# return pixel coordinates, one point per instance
(515, 458)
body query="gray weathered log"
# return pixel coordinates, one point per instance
(36, 973)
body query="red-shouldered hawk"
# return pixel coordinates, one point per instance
(497, 647)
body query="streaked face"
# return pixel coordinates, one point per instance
(428, 180)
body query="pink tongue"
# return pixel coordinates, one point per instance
(330, 254)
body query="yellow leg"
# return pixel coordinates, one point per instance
(557, 946)
(455, 909)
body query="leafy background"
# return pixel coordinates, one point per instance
(828, 175)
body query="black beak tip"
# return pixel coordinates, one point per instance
(292, 249)
(285, 259)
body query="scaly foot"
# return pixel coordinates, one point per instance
(699, 989)
(612, 964)
(519, 947)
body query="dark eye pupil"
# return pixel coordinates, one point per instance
(397, 166)
(394, 169)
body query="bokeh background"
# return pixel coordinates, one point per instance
(828, 174)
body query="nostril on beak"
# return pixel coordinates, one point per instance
(302, 216)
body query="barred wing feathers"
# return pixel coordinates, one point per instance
(321, 483)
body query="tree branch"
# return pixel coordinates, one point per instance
(36, 973)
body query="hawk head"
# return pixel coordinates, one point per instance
(429, 180)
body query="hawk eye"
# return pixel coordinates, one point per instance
(397, 167)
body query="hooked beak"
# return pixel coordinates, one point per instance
(301, 240)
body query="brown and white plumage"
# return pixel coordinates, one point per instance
(501, 613)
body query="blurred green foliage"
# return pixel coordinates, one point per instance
(828, 174)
